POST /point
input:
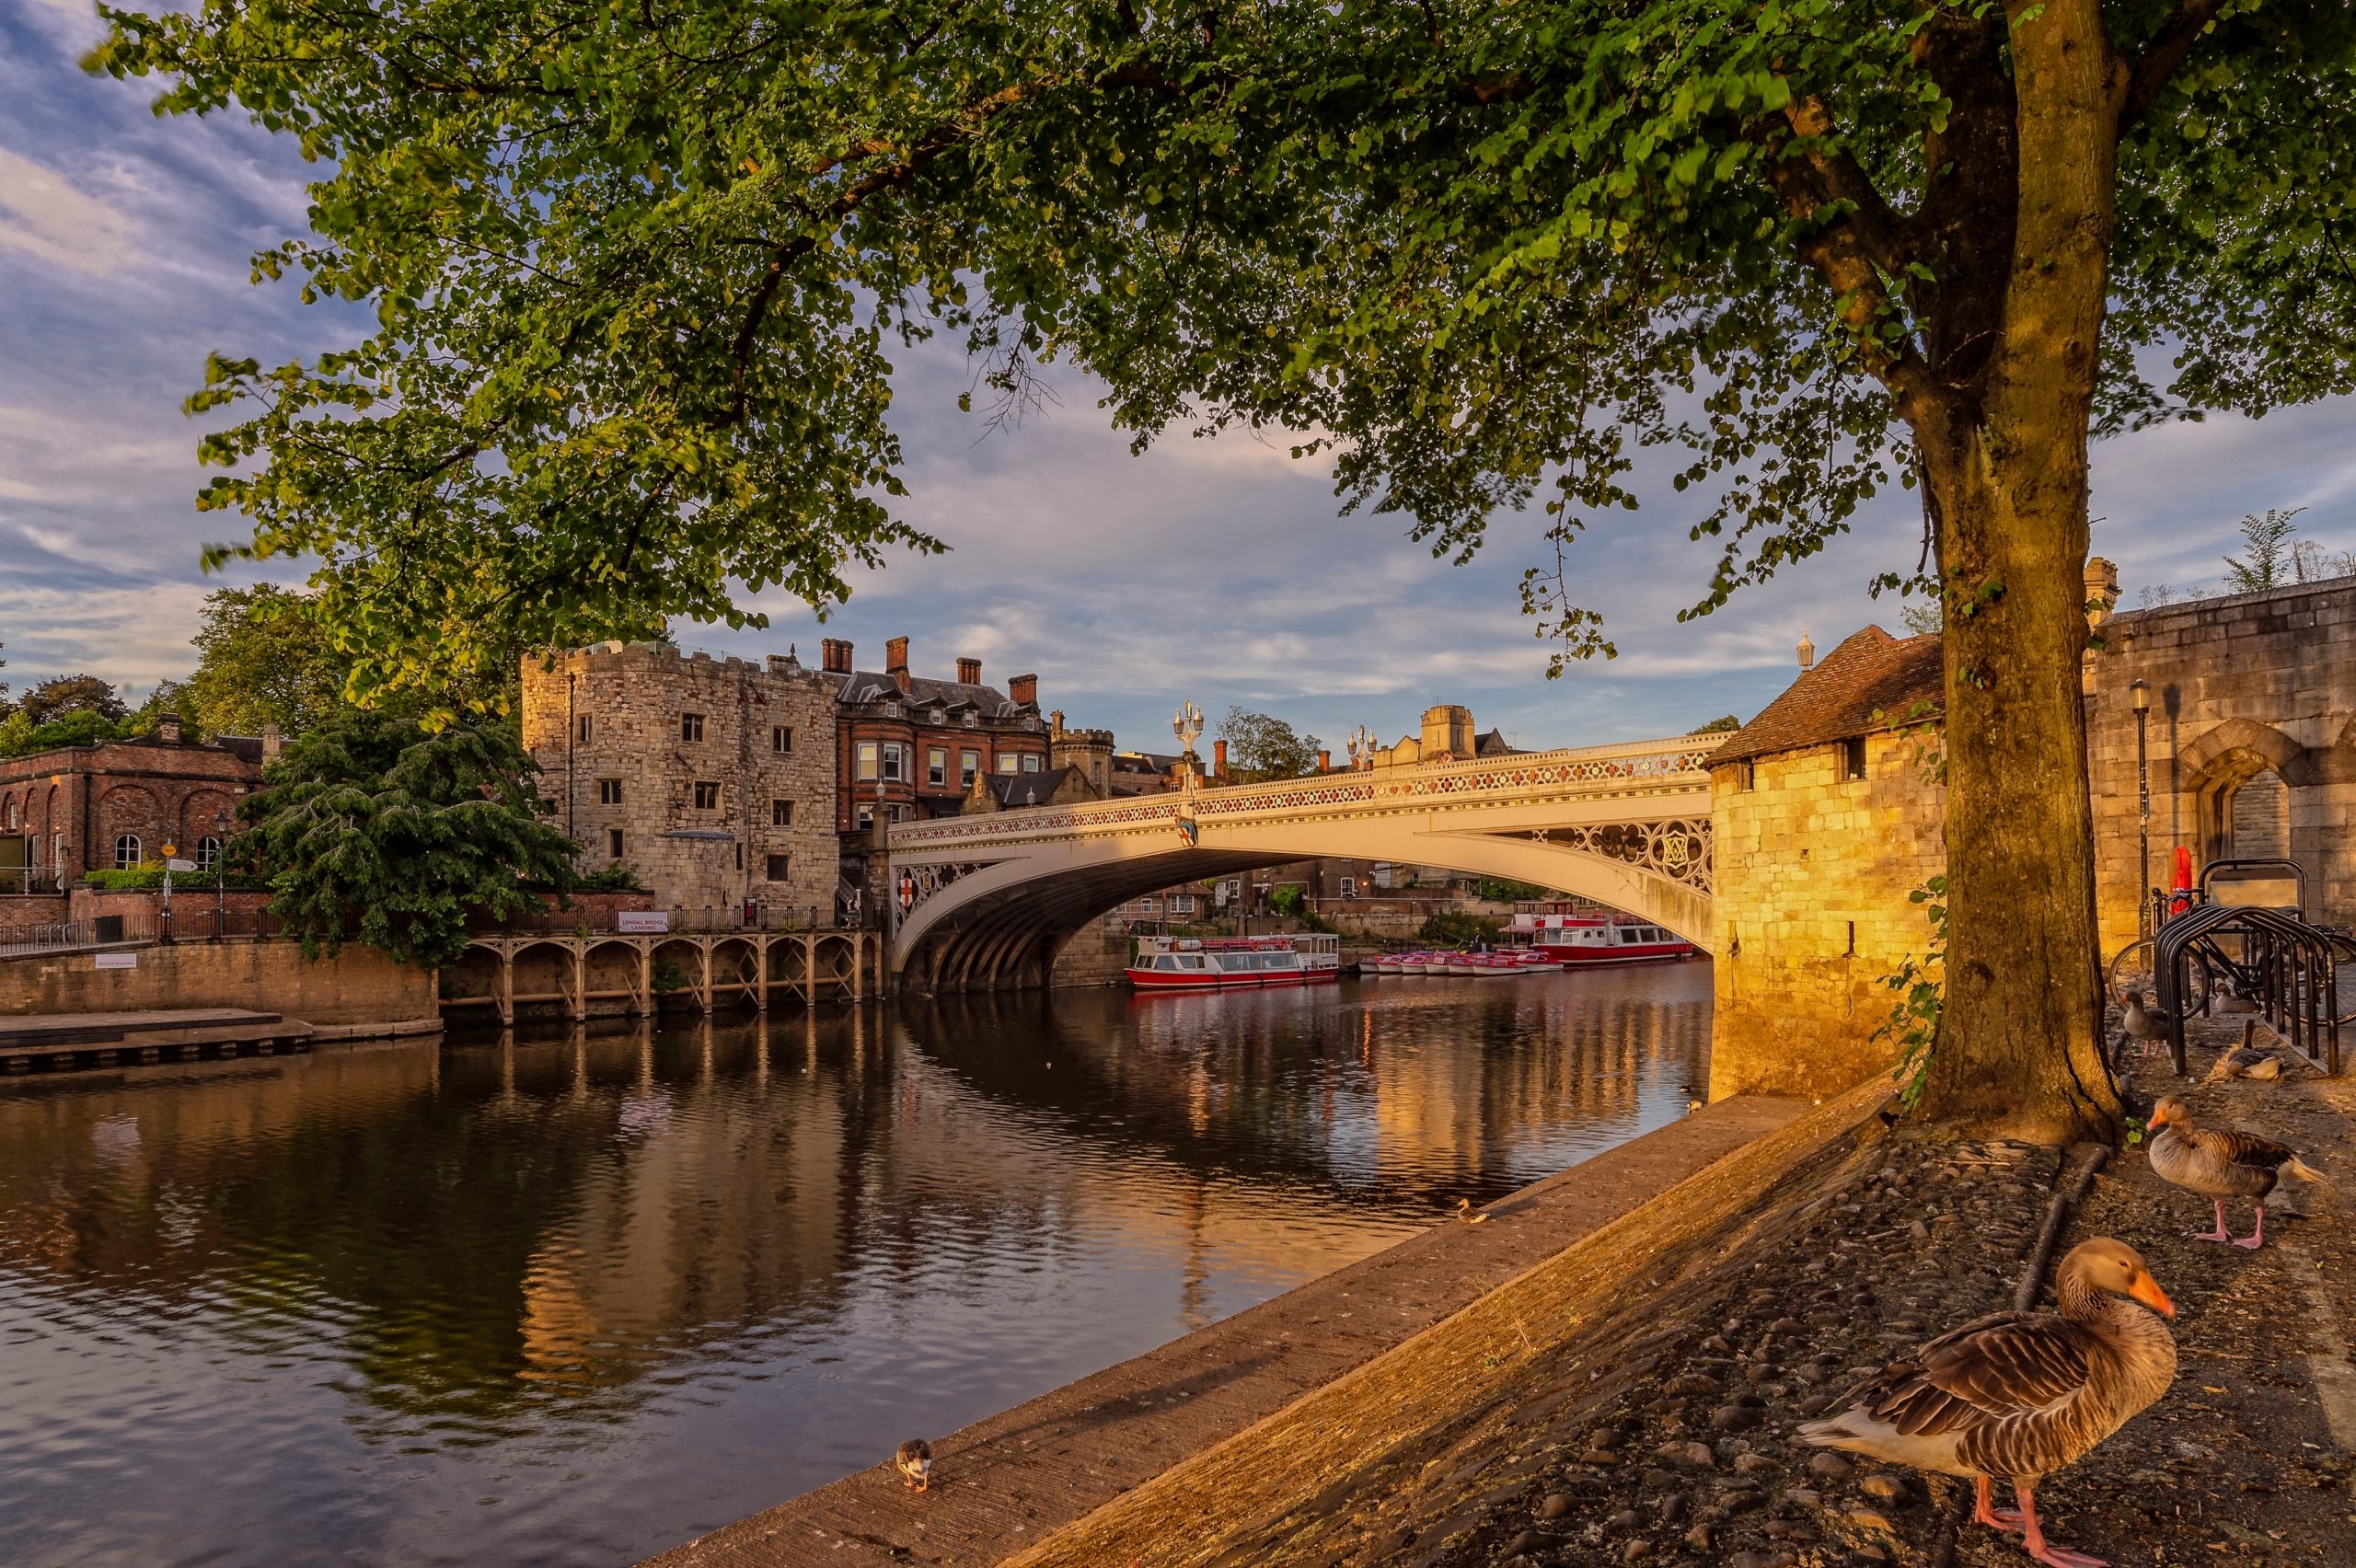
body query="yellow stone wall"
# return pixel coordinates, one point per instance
(1813, 871)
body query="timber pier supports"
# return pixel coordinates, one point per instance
(633, 974)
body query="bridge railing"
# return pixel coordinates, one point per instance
(1609, 769)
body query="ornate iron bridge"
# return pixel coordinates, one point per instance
(982, 902)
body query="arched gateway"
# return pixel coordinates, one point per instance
(984, 903)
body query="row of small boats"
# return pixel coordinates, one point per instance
(1485, 965)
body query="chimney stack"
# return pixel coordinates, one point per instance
(1218, 759)
(969, 672)
(834, 656)
(1024, 690)
(167, 728)
(1324, 760)
(269, 743)
(896, 661)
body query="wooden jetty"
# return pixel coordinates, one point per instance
(99, 1040)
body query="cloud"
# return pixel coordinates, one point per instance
(43, 216)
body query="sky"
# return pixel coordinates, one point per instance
(1219, 572)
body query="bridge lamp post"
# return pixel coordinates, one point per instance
(2138, 695)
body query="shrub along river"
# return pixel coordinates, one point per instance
(576, 1298)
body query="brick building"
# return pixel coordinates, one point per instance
(713, 779)
(913, 745)
(115, 804)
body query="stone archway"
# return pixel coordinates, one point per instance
(2244, 780)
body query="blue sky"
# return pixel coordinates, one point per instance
(1217, 570)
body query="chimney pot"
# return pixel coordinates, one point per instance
(1024, 690)
(834, 656)
(969, 672)
(1325, 761)
(1218, 759)
(167, 728)
(896, 655)
(269, 743)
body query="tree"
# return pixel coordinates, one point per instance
(1260, 748)
(263, 658)
(61, 694)
(2268, 564)
(634, 267)
(371, 828)
(2310, 562)
(1923, 617)
(1725, 724)
(7, 704)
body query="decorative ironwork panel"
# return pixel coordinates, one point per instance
(911, 885)
(1678, 849)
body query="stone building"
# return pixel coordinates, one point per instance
(115, 806)
(712, 779)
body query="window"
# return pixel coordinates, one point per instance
(780, 813)
(972, 719)
(1006, 763)
(1852, 757)
(867, 754)
(1349, 887)
(936, 766)
(12, 816)
(208, 850)
(969, 767)
(614, 842)
(866, 815)
(581, 729)
(1746, 777)
(609, 791)
(940, 717)
(740, 857)
(1030, 762)
(126, 852)
(781, 739)
(780, 866)
(897, 810)
(1182, 903)
(891, 762)
(707, 795)
(691, 727)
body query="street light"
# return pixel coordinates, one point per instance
(171, 849)
(2138, 695)
(220, 875)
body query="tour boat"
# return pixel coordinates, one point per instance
(1577, 940)
(1188, 963)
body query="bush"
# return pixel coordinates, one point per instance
(147, 879)
(1451, 928)
(613, 879)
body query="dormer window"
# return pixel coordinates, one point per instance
(938, 717)
(891, 711)
(972, 719)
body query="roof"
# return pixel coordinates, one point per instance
(1027, 788)
(1873, 680)
(867, 686)
(1493, 743)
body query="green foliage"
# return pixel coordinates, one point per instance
(263, 657)
(1923, 617)
(1725, 724)
(1291, 901)
(20, 736)
(61, 696)
(612, 879)
(1260, 748)
(668, 978)
(371, 828)
(2269, 562)
(150, 879)
(1457, 927)
(1498, 892)
(1914, 1022)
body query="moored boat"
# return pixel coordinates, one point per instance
(1577, 941)
(1189, 963)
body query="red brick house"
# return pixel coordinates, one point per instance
(115, 804)
(912, 745)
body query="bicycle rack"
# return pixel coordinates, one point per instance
(2288, 967)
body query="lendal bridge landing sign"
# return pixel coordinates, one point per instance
(983, 902)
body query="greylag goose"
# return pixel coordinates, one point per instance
(2230, 999)
(2148, 1024)
(1465, 1215)
(914, 1461)
(2246, 1062)
(2021, 1394)
(2220, 1165)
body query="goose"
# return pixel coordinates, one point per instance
(2148, 1024)
(2021, 1394)
(2220, 1165)
(2230, 998)
(2246, 1062)
(1464, 1215)
(913, 1459)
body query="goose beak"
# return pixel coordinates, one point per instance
(2147, 1290)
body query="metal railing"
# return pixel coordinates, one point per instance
(65, 935)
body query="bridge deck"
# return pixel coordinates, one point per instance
(1004, 1484)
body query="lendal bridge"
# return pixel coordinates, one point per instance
(984, 903)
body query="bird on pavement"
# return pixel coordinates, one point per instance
(914, 1461)
(2220, 1165)
(2231, 999)
(1464, 1215)
(2148, 1024)
(2246, 1062)
(2021, 1394)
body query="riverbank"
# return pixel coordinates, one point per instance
(1566, 1421)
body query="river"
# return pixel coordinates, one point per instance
(575, 1299)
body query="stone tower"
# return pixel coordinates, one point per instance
(1447, 728)
(1088, 751)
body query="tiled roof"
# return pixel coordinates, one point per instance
(1873, 680)
(1027, 788)
(1493, 743)
(866, 686)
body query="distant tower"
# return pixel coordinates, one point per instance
(1447, 728)
(1089, 751)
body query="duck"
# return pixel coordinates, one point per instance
(2148, 1024)
(2230, 998)
(1464, 1215)
(913, 1459)
(2220, 1165)
(2246, 1062)
(2022, 1394)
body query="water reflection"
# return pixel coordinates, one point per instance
(577, 1298)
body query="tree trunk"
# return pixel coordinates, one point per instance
(2018, 1050)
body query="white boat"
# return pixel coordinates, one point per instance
(1189, 963)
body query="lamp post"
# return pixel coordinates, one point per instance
(220, 875)
(171, 849)
(2139, 695)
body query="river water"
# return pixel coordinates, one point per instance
(577, 1299)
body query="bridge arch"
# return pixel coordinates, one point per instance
(985, 902)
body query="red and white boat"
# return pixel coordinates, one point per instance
(1212, 964)
(1577, 941)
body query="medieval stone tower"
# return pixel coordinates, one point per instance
(1088, 751)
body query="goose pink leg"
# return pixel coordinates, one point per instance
(2034, 1542)
(2221, 1233)
(1993, 1517)
(2255, 1239)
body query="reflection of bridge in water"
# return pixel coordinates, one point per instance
(984, 903)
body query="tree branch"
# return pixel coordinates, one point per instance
(1879, 230)
(2161, 57)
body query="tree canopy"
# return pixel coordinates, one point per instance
(59, 696)
(1261, 748)
(262, 658)
(639, 272)
(372, 829)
